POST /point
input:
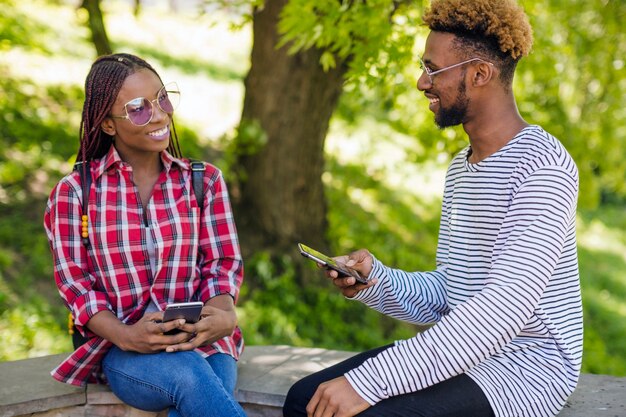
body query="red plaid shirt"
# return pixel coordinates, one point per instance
(197, 251)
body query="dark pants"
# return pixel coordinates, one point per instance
(455, 397)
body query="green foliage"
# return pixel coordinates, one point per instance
(602, 249)
(240, 11)
(36, 145)
(356, 32)
(399, 228)
(279, 311)
(18, 30)
(30, 330)
(190, 143)
(573, 84)
(187, 65)
(247, 139)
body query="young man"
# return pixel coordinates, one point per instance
(505, 295)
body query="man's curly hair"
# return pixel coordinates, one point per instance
(496, 30)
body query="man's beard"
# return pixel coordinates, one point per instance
(454, 115)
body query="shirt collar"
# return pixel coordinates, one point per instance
(112, 160)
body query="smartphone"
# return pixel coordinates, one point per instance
(189, 311)
(330, 263)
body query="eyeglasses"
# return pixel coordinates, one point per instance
(140, 110)
(430, 73)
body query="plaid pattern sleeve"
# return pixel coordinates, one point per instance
(62, 221)
(196, 251)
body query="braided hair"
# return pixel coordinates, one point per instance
(103, 83)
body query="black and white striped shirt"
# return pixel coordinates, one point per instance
(505, 293)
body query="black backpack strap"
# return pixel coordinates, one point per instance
(197, 180)
(85, 180)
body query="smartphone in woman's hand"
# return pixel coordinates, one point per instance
(189, 311)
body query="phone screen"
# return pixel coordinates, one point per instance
(189, 311)
(327, 261)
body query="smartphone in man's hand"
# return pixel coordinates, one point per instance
(330, 263)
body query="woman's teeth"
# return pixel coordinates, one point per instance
(159, 132)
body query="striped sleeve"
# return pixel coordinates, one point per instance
(417, 297)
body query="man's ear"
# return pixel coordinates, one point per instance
(485, 71)
(108, 126)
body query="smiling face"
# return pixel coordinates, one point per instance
(133, 141)
(446, 91)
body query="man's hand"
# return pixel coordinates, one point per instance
(336, 398)
(360, 261)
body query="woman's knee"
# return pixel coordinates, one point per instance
(190, 370)
(225, 367)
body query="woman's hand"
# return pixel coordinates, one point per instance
(144, 336)
(218, 320)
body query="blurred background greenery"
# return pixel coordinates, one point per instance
(384, 159)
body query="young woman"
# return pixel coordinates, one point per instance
(142, 240)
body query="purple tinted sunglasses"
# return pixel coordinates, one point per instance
(140, 110)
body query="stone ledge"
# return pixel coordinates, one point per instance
(26, 387)
(265, 375)
(597, 396)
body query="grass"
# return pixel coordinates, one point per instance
(378, 198)
(602, 254)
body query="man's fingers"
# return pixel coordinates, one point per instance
(350, 282)
(342, 259)
(312, 405)
(343, 282)
(323, 407)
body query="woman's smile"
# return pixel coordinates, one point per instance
(160, 134)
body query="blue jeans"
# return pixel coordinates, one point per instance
(185, 382)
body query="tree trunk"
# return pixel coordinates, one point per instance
(97, 27)
(281, 198)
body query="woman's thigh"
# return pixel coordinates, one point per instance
(181, 380)
(225, 367)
